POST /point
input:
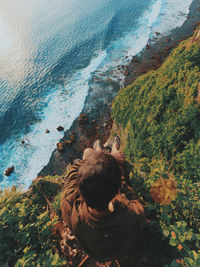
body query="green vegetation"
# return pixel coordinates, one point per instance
(158, 119)
(26, 225)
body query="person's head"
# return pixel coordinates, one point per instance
(99, 180)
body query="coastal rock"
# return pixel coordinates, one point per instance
(9, 171)
(37, 179)
(68, 142)
(60, 146)
(135, 59)
(60, 128)
(73, 137)
(126, 73)
(148, 46)
(83, 118)
(168, 40)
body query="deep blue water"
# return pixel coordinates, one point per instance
(49, 51)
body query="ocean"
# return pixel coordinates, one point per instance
(49, 52)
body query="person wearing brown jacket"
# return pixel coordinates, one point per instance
(99, 207)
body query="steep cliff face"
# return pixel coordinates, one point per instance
(158, 119)
(159, 113)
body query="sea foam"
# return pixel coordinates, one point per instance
(63, 104)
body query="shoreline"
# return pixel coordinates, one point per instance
(95, 120)
(157, 49)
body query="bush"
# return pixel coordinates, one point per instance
(26, 227)
(158, 118)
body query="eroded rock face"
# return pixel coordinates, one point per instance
(60, 146)
(9, 171)
(68, 142)
(83, 118)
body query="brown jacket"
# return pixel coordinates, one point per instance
(103, 238)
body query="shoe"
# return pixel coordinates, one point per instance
(117, 142)
(97, 143)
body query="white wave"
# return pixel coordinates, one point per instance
(173, 14)
(63, 105)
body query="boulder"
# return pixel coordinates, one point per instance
(9, 171)
(60, 146)
(73, 137)
(148, 46)
(60, 128)
(135, 59)
(47, 131)
(68, 142)
(126, 73)
(83, 118)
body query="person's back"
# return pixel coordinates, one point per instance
(101, 209)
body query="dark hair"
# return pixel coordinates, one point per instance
(99, 180)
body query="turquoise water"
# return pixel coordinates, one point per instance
(49, 52)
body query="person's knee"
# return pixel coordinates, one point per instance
(119, 156)
(87, 153)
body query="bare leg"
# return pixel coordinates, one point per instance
(97, 146)
(115, 148)
(116, 145)
(119, 156)
(87, 153)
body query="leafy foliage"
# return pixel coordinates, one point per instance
(161, 113)
(26, 227)
(158, 118)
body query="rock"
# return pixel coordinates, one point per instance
(9, 171)
(135, 59)
(60, 128)
(168, 40)
(157, 33)
(126, 73)
(83, 118)
(47, 131)
(23, 142)
(148, 46)
(68, 142)
(72, 137)
(60, 146)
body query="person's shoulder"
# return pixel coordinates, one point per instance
(133, 208)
